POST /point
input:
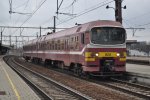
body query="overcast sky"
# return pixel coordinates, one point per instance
(136, 15)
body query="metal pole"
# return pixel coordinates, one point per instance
(118, 10)
(1, 35)
(1, 42)
(37, 35)
(54, 30)
(40, 31)
(16, 42)
(57, 8)
(10, 39)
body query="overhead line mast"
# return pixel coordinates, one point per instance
(118, 10)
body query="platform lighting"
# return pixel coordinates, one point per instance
(107, 7)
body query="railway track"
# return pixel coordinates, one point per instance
(137, 90)
(133, 88)
(47, 88)
(96, 82)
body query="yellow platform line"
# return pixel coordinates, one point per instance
(12, 85)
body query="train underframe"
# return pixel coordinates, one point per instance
(105, 67)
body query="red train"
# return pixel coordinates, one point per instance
(96, 48)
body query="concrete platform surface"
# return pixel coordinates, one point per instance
(139, 58)
(142, 69)
(12, 87)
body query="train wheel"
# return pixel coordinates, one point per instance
(54, 63)
(75, 69)
(78, 70)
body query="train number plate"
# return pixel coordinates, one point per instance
(107, 54)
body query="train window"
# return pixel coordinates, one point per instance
(42, 46)
(55, 46)
(108, 35)
(47, 46)
(67, 44)
(77, 38)
(82, 38)
(62, 46)
(50, 46)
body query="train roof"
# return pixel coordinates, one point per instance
(78, 29)
(83, 28)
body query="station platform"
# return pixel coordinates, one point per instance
(136, 68)
(12, 87)
(139, 65)
(139, 60)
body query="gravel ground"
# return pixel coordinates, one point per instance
(93, 90)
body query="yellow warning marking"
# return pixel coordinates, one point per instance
(12, 85)
(89, 59)
(107, 54)
(122, 59)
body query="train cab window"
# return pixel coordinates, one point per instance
(108, 35)
(82, 38)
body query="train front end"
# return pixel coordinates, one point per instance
(106, 52)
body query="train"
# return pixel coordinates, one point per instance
(95, 48)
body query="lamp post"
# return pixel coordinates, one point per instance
(118, 10)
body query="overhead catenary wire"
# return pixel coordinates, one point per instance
(47, 21)
(69, 5)
(23, 10)
(139, 16)
(136, 18)
(144, 24)
(60, 5)
(21, 5)
(30, 16)
(84, 12)
(10, 5)
(33, 13)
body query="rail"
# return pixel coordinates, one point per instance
(59, 85)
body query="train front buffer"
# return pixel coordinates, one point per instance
(105, 62)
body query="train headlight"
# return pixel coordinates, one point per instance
(118, 54)
(96, 54)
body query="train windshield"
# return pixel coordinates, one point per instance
(108, 35)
